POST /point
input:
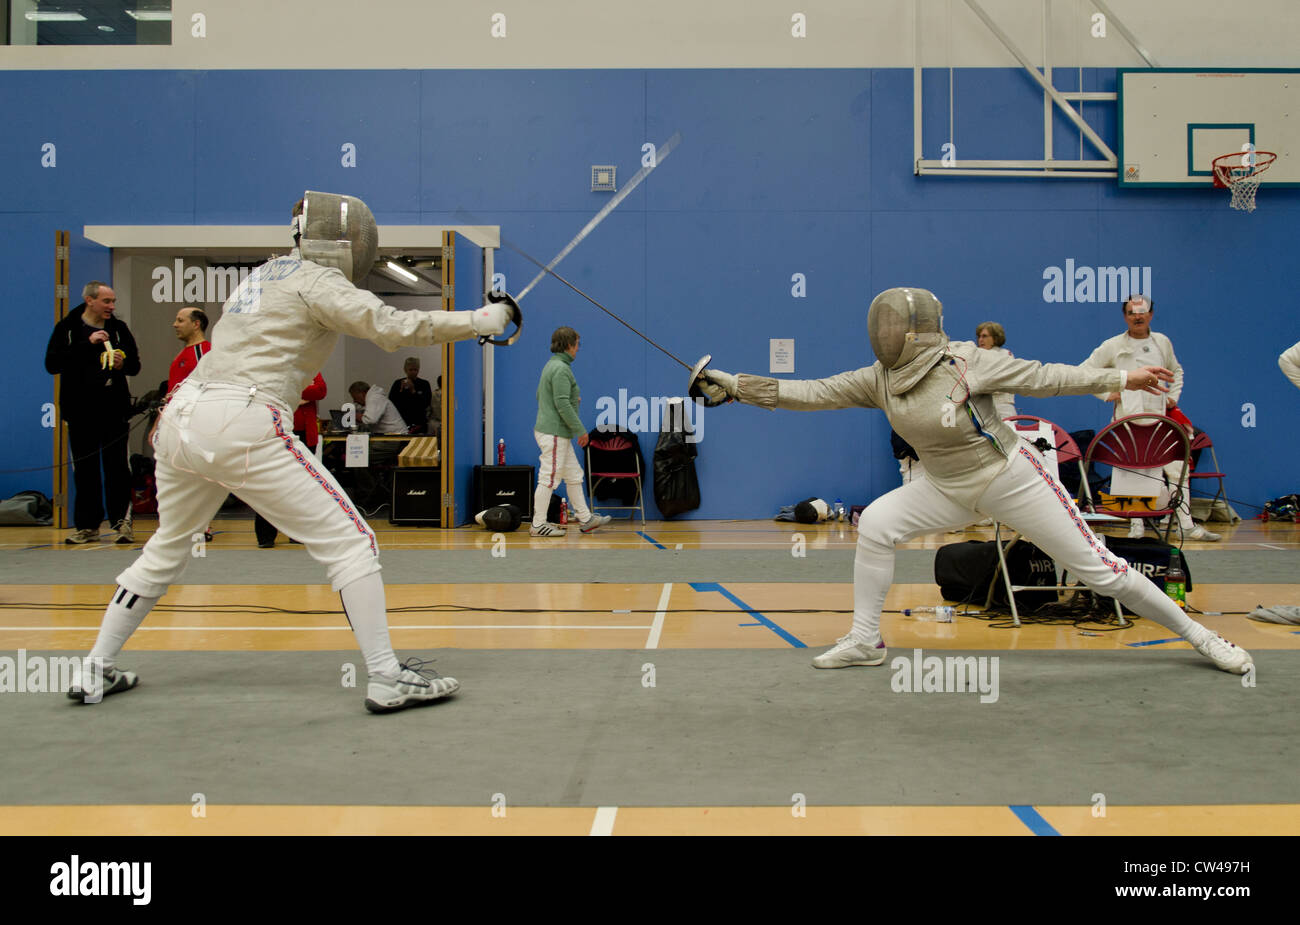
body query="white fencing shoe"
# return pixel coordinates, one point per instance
(94, 690)
(1205, 536)
(417, 684)
(848, 652)
(1226, 656)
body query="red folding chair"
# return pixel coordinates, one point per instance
(1142, 441)
(1202, 442)
(615, 443)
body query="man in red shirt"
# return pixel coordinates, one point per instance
(191, 327)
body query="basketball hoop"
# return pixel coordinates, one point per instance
(1239, 172)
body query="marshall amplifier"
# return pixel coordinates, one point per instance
(417, 496)
(495, 485)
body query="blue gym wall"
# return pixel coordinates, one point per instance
(779, 172)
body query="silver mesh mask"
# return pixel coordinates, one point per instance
(902, 322)
(338, 231)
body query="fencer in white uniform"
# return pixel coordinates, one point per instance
(938, 396)
(229, 429)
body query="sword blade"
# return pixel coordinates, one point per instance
(662, 152)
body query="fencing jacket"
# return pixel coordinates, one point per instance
(281, 325)
(942, 404)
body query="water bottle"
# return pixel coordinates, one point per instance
(839, 510)
(1176, 580)
(942, 614)
(501, 452)
(564, 511)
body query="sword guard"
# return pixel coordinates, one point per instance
(693, 386)
(515, 315)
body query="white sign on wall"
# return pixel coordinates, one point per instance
(782, 355)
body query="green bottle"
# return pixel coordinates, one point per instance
(1176, 580)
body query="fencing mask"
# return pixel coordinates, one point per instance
(903, 322)
(504, 518)
(337, 231)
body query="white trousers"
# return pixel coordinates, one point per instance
(217, 439)
(558, 462)
(1025, 496)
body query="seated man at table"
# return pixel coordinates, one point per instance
(380, 418)
(378, 413)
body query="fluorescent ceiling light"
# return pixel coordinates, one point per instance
(403, 272)
(150, 15)
(37, 16)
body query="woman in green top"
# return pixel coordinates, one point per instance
(558, 423)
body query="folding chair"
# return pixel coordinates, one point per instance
(1202, 442)
(1067, 451)
(1143, 441)
(612, 443)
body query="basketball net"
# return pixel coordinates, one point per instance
(1240, 173)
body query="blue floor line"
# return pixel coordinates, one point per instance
(1036, 823)
(762, 620)
(1154, 642)
(648, 538)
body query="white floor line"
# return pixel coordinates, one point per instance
(1266, 546)
(217, 628)
(603, 824)
(652, 641)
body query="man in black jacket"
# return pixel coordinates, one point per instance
(94, 353)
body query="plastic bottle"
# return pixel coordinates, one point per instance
(1176, 580)
(839, 510)
(941, 614)
(501, 452)
(564, 511)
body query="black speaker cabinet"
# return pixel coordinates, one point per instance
(417, 496)
(495, 485)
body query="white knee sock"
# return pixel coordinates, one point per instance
(541, 503)
(1146, 600)
(363, 602)
(124, 614)
(577, 503)
(873, 573)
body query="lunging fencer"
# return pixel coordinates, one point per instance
(938, 395)
(229, 428)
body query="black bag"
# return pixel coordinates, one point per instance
(1149, 556)
(964, 572)
(677, 489)
(27, 509)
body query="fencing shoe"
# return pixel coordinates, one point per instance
(547, 529)
(848, 651)
(95, 689)
(594, 522)
(1205, 536)
(1225, 655)
(417, 684)
(1136, 528)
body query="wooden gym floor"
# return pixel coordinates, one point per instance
(55, 606)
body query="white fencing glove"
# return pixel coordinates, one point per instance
(490, 319)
